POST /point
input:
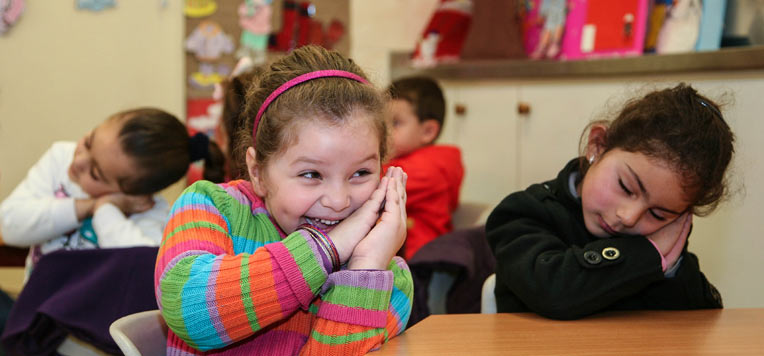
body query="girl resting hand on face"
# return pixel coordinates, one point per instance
(610, 232)
(300, 257)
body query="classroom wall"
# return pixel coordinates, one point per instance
(63, 71)
(381, 27)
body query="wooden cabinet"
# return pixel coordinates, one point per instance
(516, 134)
(505, 151)
(486, 133)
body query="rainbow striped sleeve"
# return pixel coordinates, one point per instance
(360, 310)
(217, 283)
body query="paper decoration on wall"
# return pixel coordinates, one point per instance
(657, 16)
(680, 30)
(200, 8)
(96, 5)
(552, 13)
(334, 33)
(711, 25)
(284, 39)
(604, 28)
(495, 31)
(208, 41)
(532, 25)
(444, 36)
(203, 116)
(208, 75)
(10, 11)
(255, 22)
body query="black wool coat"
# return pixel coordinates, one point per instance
(548, 263)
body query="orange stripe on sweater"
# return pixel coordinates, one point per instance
(228, 297)
(193, 215)
(262, 287)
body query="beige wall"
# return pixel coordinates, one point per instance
(381, 27)
(62, 71)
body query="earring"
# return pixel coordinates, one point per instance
(591, 159)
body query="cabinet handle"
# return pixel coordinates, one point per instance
(523, 108)
(460, 109)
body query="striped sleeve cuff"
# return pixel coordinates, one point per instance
(357, 297)
(301, 266)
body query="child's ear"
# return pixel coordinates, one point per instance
(256, 173)
(597, 141)
(430, 130)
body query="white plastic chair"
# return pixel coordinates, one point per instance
(140, 334)
(488, 298)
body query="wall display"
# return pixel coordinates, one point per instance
(223, 38)
(200, 8)
(203, 116)
(208, 41)
(444, 35)
(679, 32)
(711, 25)
(10, 12)
(255, 22)
(604, 28)
(658, 11)
(96, 5)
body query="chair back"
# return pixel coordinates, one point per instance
(488, 299)
(469, 214)
(140, 334)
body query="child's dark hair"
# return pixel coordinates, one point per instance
(683, 128)
(424, 94)
(329, 99)
(233, 120)
(161, 149)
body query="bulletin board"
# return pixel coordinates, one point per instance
(218, 22)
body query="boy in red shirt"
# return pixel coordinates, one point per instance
(435, 172)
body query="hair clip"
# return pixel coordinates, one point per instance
(713, 109)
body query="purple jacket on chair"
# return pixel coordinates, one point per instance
(81, 293)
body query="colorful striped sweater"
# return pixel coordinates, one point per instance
(229, 283)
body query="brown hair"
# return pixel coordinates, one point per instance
(683, 128)
(233, 120)
(329, 99)
(159, 145)
(424, 94)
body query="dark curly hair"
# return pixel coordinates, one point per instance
(683, 128)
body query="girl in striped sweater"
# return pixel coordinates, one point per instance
(299, 259)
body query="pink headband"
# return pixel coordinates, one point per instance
(301, 79)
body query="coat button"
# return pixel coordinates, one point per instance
(592, 257)
(611, 253)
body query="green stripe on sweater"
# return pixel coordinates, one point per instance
(345, 339)
(194, 225)
(358, 297)
(246, 297)
(307, 262)
(172, 303)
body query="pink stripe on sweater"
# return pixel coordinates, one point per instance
(292, 273)
(355, 316)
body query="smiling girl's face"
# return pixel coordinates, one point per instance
(629, 193)
(323, 177)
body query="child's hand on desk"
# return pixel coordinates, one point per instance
(378, 247)
(670, 239)
(128, 204)
(350, 231)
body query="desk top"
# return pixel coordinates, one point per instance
(696, 332)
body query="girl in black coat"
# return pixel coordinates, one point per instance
(610, 232)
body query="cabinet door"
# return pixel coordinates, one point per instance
(486, 133)
(550, 132)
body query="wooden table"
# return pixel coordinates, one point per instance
(697, 332)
